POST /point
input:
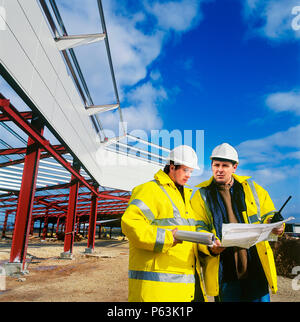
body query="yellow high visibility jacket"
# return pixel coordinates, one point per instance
(259, 209)
(159, 271)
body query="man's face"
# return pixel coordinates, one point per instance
(181, 175)
(222, 171)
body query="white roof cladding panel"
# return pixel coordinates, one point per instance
(29, 54)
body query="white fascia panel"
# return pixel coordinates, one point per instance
(115, 165)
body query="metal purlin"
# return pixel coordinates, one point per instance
(87, 99)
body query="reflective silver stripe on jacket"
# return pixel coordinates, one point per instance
(270, 213)
(160, 240)
(165, 221)
(253, 219)
(254, 192)
(161, 277)
(175, 209)
(177, 220)
(144, 209)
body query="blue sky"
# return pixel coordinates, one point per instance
(228, 67)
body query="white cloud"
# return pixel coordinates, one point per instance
(271, 18)
(176, 15)
(294, 155)
(132, 50)
(271, 149)
(281, 145)
(155, 75)
(272, 159)
(137, 36)
(284, 101)
(143, 114)
(267, 175)
(143, 111)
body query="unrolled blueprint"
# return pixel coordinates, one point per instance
(247, 235)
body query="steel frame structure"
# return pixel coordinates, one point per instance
(67, 208)
(45, 182)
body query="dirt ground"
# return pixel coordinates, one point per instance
(100, 277)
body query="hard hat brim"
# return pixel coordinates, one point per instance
(185, 164)
(225, 159)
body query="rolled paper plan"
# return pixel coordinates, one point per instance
(195, 237)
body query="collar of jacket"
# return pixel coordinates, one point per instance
(164, 179)
(240, 179)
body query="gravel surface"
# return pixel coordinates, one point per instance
(100, 277)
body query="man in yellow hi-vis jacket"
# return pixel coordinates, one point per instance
(161, 268)
(235, 274)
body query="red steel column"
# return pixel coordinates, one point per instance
(26, 197)
(31, 227)
(77, 225)
(45, 228)
(7, 212)
(57, 224)
(99, 233)
(92, 222)
(71, 215)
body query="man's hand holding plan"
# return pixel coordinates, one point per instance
(247, 235)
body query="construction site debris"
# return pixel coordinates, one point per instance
(77, 237)
(286, 254)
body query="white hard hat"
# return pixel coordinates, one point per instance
(225, 151)
(184, 155)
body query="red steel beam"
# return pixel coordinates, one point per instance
(52, 205)
(45, 155)
(55, 187)
(12, 151)
(17, 118)
(92, 222)
(106, 196)
(26, 196)
(7, 212)
(57, 224)
(31, 226)
(58, 148)
(21, 160)
(10, 113)
(52, 201)
(45, 228)
(71, 215)
(110, 191)
(25, 115)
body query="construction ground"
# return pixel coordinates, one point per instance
(99, 277)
